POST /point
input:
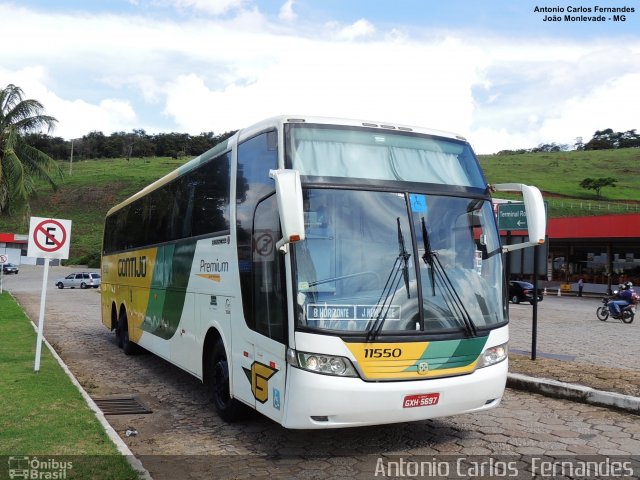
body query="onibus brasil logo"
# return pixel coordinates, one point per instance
(37, 469)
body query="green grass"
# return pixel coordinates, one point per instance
(560, 173)
(86, 195)
(43, 414)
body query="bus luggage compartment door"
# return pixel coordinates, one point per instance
(268, 378)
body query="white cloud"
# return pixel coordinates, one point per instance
(614, 104)
(210, 74)
(75, 117)
(213, 7)
(286, 11)
(544, 92)
(411, 83)
(359, 29)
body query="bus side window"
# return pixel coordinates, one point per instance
(269, 289)
(210, 185)
(256, 157)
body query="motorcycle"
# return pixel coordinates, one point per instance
(626, 313)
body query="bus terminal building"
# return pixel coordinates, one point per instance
(600, 250)
(603, 251)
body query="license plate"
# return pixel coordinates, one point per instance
(421, 400)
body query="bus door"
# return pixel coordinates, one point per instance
(270, 312)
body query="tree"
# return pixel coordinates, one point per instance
(608, 139)
(20, 162)
(598, 184)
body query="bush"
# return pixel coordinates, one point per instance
(92, 260)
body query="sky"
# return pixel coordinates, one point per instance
(502, 73)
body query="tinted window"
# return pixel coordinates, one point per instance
(256, 157)
(269, 289)
(210, 187)
(196, 203)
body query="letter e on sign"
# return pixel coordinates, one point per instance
(49, 238)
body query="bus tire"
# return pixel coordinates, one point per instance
(128, 347)
(229, 409)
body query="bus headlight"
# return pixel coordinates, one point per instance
(493, 355)
(321, 363)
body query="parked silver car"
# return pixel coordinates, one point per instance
(10, 268)
(80, 280)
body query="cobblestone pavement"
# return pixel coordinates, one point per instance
(574, 346)
(184, 438)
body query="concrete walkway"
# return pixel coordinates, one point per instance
(578, 357)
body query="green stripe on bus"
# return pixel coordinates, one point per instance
(451, 353)
(172, 270)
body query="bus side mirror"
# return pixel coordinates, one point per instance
(290, 206)
(536, 215)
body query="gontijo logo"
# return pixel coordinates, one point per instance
(132, 266)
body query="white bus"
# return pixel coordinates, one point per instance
(328, 273)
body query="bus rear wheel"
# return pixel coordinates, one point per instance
(122, 334)
(217, 381)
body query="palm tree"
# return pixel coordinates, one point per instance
(20, 163)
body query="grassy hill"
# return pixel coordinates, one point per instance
(85, 195)
(558, 175)
(96, 185)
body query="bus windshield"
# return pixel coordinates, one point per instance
(384, 263)
(326, 151)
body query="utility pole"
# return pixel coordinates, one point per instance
(71, 160)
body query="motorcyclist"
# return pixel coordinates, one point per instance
(624, 298)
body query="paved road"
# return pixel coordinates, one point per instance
(568, 328)
(184, 438)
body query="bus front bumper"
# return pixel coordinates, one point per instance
(317, 401)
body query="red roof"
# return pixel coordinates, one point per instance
(12, 238)
(605, 226)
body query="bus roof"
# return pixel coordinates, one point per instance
(277, 122)
(388, 126)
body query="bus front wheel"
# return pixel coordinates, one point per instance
(229, 409)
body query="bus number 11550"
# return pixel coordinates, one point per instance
(382, 352)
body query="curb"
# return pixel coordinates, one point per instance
(122, 447)
(577, 393)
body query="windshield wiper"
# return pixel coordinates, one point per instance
(399, 270)
(404, 255)
(450, 295)
(428, 256)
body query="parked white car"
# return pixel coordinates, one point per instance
(80, 280)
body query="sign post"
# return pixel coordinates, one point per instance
(3, 259)
(48, 238)
(513, 216)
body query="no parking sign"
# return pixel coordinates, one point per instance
(48, 238)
